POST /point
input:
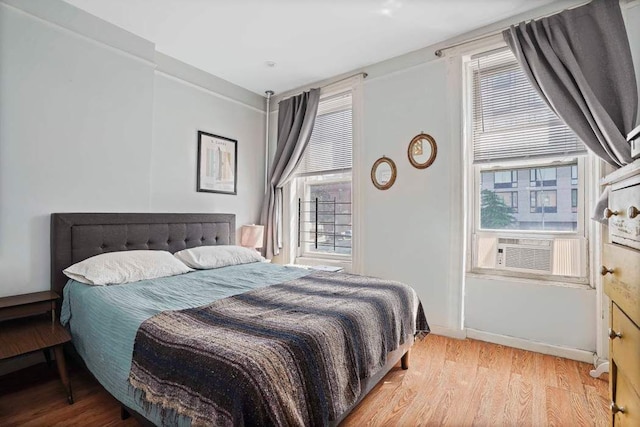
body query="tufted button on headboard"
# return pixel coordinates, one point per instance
(78, 236)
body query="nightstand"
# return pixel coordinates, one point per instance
(28, 324)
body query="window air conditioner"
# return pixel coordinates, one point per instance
(528, 255)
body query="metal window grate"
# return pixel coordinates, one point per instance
(322, 226)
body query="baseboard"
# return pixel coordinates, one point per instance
(597, 360)
(553, 350)
(458, 334)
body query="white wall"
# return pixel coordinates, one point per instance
(75, 120)
(179, 112)
(406, 228)
(90, 121)
(556, 315)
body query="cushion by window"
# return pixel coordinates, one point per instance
(115, 268)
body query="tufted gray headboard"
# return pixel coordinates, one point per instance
(78, 236)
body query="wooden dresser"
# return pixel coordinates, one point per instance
(621, 274)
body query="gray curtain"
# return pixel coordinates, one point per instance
(579, 60)
(296, 117)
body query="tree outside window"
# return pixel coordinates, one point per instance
(494, 212)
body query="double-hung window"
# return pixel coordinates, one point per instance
(323, 183)
(526, 176)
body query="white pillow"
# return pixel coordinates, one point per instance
(114, 268)
(206, 257)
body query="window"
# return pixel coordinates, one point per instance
(323, 183)
(544, 201)
(505, 179)
(509, 120)
(324, 215)
(538, 196)
(543, 177)
(510, 199)
(525, 170)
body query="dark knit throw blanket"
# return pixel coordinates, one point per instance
(288, 354)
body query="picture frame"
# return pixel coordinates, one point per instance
(217, 164)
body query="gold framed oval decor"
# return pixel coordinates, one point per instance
(418, 150)
(383, 173)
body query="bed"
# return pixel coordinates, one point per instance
(105, 321)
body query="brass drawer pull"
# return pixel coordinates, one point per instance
(608, 213)
(604, 270)
(632, 212)
(615, 408)
(613, 334)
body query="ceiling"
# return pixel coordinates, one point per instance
(308, 40)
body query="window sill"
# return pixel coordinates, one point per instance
(530, 234)
(531, 279)
(306, 260)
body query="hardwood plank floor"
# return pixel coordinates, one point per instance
(450, 382)
(464, 383)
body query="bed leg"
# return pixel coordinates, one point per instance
(404, 361)
(124, 414)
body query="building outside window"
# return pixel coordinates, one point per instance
(505, 179)
(510, 199)
(543, 177)
(544, 201)
(533, 196)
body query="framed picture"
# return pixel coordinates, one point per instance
(217, 164)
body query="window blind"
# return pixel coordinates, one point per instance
(510, 119)
(330, 146)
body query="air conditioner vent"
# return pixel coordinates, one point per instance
(508, 241)
(528, 258)
(532, 255)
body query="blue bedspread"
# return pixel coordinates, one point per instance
(104, 319)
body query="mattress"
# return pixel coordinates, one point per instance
(103, 320)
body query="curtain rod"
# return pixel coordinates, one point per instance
(494, 33)
(363, 74)
(295, 92)
(269, 94)
(440, 52)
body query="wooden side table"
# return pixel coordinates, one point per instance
(26, 327)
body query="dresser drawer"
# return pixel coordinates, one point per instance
(627, 399)
(623, 284)
(624, 203)
(626, 349)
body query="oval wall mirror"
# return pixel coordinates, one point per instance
(383, 173)
(422, 151)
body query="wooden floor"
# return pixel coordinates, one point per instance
(463, 383)
(450, 382)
